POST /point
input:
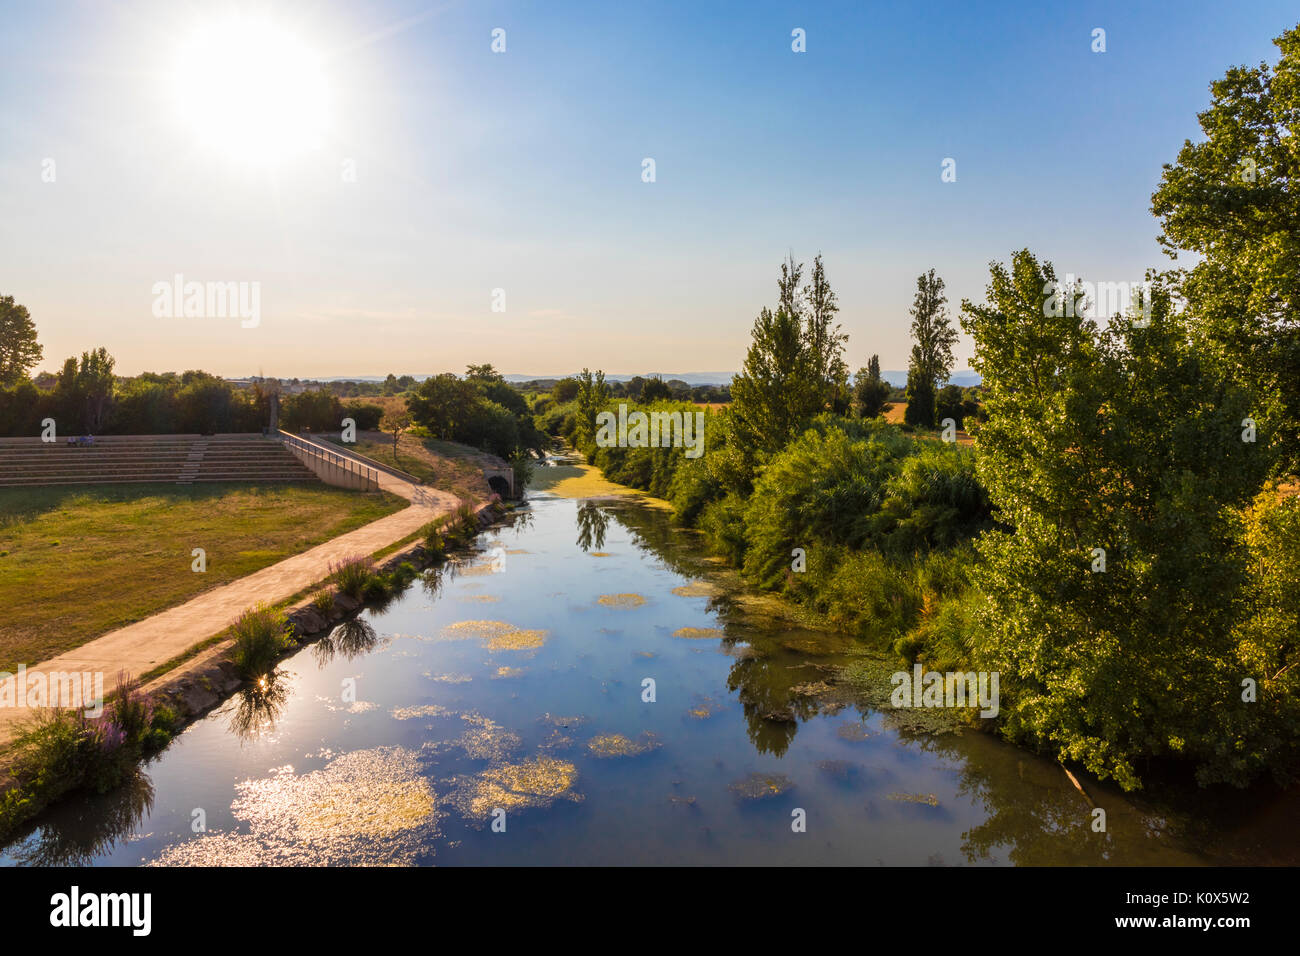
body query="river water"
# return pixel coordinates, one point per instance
(590, 687)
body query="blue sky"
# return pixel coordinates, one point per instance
(521, 171)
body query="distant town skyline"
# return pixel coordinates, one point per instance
(377, 178)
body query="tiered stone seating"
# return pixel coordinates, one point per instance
(116, 459)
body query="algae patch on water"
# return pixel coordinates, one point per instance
(620, 600)
(617, 745)
(422, 710)
(496, 635)
(704, 708)
(698, 633)
(537, 782)
(461, 630)
(929, 799)
(517, 640)
(696, 588)
(486, 739)
(364, 808)
(448, 678)
(551, 720)
(761, 786)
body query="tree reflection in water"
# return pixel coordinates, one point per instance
(593, 521)
(76, 832)
(434, 579)
(350, 639)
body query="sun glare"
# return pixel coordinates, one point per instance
(251, 90)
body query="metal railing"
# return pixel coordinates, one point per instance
(367, 460)
(338, 460)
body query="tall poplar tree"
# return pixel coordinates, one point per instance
(933, 337)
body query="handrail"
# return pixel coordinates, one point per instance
(367, 460)
(350, 465)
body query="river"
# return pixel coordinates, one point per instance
(590, 687)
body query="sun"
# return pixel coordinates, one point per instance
(251, 89)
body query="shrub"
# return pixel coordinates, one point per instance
(261, 635)
(466, 522)
(130, 710)
(352, 575)
(323, 602)
(435, 546)
(366, 416)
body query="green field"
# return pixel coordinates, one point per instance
(76, 562)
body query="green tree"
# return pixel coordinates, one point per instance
(442, 404)
(933, 338)
(1114, 459)
(395, 422)
(920, 410)
(483, 373)
(825, 341)
(94, 386)
(593, 394)
(654, 390)
(19, 350)
(1234, 201)
(773, 397)
(870, 391)
(565, 390)
(794, 368)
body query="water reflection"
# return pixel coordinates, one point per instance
(257, 706)
(77, 832)
(437, 577)
(593, 522)
(349, 640)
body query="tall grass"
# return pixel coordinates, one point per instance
(323, 602)
(352, 575)
(261, 634)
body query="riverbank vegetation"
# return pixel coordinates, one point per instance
(62, 751)
(1122, 545)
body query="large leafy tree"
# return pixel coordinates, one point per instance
(443, 404)
(19, 350)
(1114, 459)
(85, 389)
(1234, 200)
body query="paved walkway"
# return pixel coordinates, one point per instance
(142, 646)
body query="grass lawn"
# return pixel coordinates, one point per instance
(76, 563)
(444, 465)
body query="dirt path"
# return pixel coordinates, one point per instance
(142, 646)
